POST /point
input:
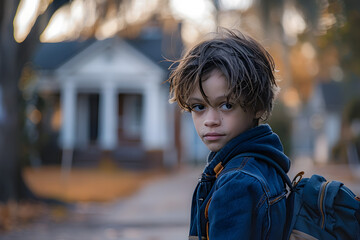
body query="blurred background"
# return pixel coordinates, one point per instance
(89, 143)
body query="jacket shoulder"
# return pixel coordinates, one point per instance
(255, 171)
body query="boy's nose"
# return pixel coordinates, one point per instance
(212, 118)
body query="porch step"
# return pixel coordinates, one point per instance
(128, 157)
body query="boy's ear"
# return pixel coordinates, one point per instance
(259, 114)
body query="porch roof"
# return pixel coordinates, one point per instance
(50, 56)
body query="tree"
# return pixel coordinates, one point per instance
(343, 37)
(13, 57)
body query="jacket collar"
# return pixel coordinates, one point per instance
(260, 139)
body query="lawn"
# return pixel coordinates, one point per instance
(83, 185)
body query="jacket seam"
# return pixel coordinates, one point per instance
(277, 198)
(242, 165)
(264, 197)
(262, 200)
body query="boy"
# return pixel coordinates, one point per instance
(228, 85)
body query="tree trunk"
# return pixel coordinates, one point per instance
(9, 124)
(13, 57)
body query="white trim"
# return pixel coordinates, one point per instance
(99, 47)
(68, 107)
(108, 116)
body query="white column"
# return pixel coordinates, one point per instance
(108, 116)
(152, 123)
(170, 154)
(68, 107)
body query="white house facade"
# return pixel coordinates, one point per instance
(112, 96)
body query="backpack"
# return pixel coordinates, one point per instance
(316, 208)
(319, 209)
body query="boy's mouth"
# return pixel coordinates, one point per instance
(213, 136)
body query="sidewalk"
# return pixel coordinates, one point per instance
(159, 211)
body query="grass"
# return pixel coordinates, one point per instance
(84, 185)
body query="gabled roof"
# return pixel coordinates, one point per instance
(50, 56)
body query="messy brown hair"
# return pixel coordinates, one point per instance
(246, 65)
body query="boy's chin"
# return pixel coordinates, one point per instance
(214, 147)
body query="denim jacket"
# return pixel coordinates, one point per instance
(240, 195)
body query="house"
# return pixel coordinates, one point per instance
(317, 128)
(107, 99)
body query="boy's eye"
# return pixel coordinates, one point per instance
(197, 107)
(226, 106)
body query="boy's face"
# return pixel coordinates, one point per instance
(221, 120)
